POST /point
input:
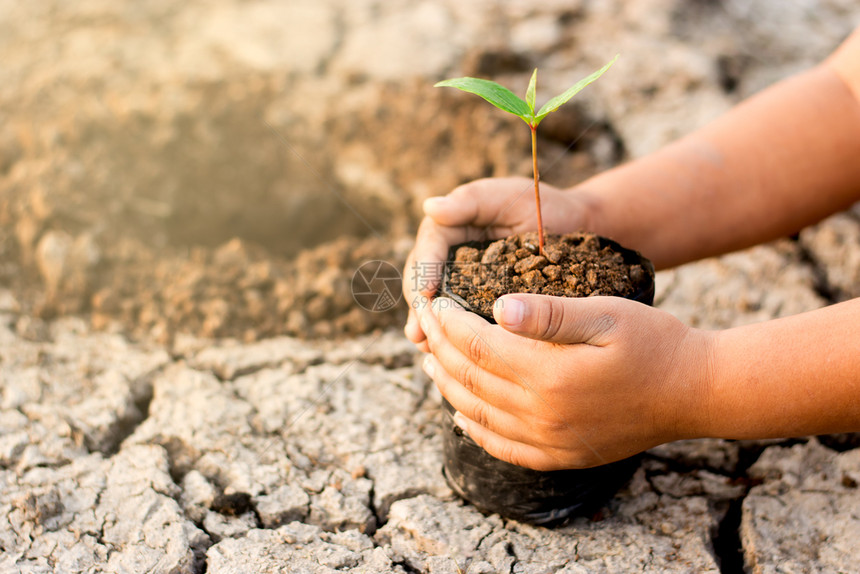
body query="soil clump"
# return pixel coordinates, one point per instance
(572, 265)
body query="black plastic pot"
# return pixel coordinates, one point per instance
(542, 498)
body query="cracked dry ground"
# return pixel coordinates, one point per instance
(294, 456)
(287, 455)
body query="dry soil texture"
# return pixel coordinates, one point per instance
(186, 192)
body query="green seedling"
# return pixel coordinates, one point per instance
(506, 100)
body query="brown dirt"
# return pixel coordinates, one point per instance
(573, 265)
(239, 289)
(185, 212)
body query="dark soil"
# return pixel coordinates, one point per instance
(573, 265)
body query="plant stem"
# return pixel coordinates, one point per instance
(537, 188)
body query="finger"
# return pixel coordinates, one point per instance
(422, 273)
(498, 390)
(466, 342)
(508, 412)
(432, 243)
(413, 332)
(498, 410)
(503, 448)
(412, 329)
(449, 211)
(482, 209)
(498, 202)
(568, 320)
(498, 351)
(425, 263)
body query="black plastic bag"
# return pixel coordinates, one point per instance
(544, 498)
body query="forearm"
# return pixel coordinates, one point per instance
(782, 160)
(795, 376)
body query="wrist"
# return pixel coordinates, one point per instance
(690, 393)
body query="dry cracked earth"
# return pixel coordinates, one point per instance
(186, 192)
(294, 456)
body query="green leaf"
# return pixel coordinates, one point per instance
(496, 94)
(562, 99)
(530, 92)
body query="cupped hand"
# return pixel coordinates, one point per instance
(569, 382)
(483, 209)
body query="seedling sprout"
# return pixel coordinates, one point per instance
(506, 100)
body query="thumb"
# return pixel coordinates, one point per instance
(489, 202)
(451, 210)
(589, 320)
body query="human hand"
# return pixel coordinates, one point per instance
(482, 209)
(569, 382)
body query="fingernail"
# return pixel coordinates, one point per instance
(429, 368)
(435, 202)
(437, 304)
(419, 303)
(445, 304)
(513, 311)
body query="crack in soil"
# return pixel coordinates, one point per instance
(820, 284)
(126, 426)
(726, 540)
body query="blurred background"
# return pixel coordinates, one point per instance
(222, 167)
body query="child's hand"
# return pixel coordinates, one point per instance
(482, 209)
(567, 382)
